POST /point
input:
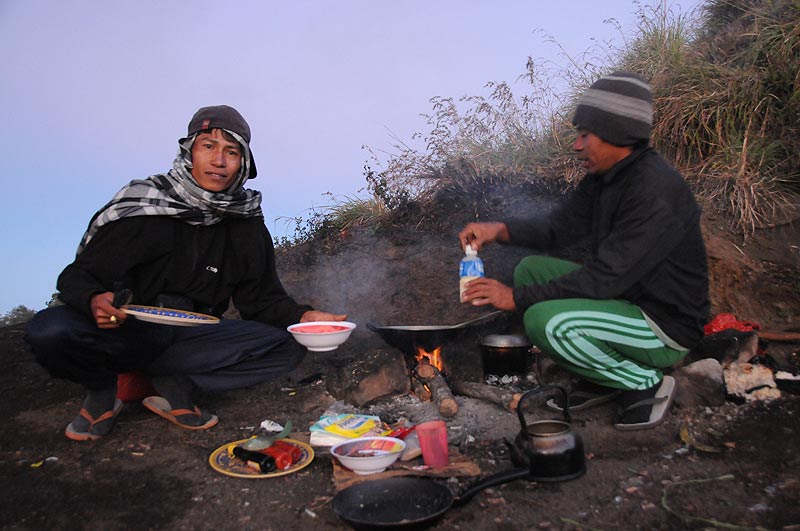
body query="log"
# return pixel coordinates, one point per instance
(496, 395)
(425, 371)
(440, 391)
(778, 335)
(420, 389)
(441, 394)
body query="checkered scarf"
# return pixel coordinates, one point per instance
(176, 194)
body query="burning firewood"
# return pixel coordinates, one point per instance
(440, 392)
(420, 389)
(496, 395)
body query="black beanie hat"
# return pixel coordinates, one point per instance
(618, 108)
(223, 117)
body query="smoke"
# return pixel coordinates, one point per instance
(407, 273)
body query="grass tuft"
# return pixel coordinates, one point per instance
(726, 88)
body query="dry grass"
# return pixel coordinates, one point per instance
(726, 87)
(728, 104)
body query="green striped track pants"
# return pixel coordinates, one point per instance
(607, 342)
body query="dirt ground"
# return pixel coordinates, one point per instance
(744, 471)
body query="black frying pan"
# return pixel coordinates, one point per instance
(428, 337)
(407, 502)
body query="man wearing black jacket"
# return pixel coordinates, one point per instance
(191, 239)
(639, 302)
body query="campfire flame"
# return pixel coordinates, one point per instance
(434, 357)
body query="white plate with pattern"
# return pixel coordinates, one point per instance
(168, 316)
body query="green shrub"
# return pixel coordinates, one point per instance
(20, 314)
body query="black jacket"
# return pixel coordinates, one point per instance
(153, 255)
(646, 245)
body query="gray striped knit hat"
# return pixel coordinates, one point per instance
(618, 108)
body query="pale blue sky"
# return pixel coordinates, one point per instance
(96, 93)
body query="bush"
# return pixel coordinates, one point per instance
(20, 314)
(728, 101)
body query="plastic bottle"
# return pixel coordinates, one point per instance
(471, 268)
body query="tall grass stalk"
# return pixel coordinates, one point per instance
(726, 87)
(727, 102)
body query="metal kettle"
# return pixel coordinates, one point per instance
(549, 449)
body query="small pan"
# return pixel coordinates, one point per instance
(505, 354)
(428, 337)
(409, 503)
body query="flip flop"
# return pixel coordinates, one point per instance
(161, 407)
(98, 427)
(580, 400)
(661, 403)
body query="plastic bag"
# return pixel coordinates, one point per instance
(726, 321)
(351, 425)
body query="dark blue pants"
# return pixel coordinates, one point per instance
(232, 354)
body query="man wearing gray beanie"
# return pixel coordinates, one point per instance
(638, 302)
(181, 245)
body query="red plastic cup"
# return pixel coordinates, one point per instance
(432, 437)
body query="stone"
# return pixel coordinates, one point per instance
(370, 377)
(700, 384)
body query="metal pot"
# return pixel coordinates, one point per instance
(505, 354)
(549, 448)
(408, 338)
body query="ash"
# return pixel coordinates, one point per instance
(477, 421)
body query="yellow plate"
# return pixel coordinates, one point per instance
(223, 461)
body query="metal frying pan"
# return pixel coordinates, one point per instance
(407, 502)
(428, 337)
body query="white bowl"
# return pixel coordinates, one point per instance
(321, 336)
(368, 455)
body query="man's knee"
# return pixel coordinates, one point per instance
(524, 269)
(536, 324)
(46, 333)
(47, 330)
(258, 343)
(538, 269)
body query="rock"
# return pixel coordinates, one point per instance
(700, 384)
(373, 375)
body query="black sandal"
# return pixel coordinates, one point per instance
(585, 395)
(627, 418)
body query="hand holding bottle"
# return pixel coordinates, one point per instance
(478, 234)
(482, 291)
